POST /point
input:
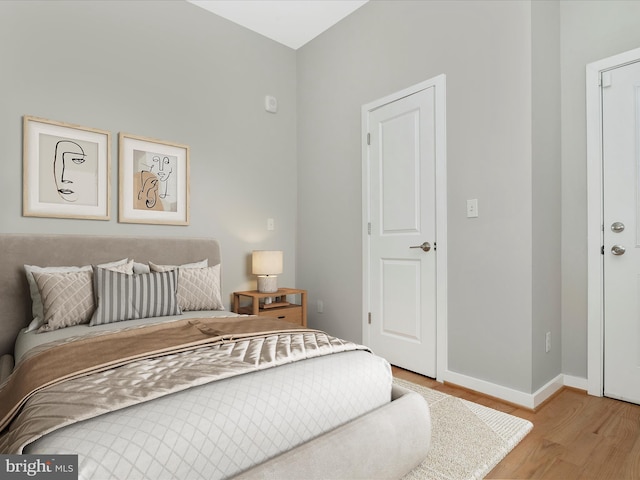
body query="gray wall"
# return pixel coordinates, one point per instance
(167, 70)
(591, 31)
(484, 48)
(545, 171)
(516, 141)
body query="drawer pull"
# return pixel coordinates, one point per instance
(282, 316)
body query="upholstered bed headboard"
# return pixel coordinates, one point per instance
(16, 250)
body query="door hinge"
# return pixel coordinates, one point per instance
(368, 139)
(369, 318)
(369, 228)
(602, 250)
(605, 79)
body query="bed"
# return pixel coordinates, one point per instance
(185, 389)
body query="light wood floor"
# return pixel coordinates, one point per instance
(574, 436)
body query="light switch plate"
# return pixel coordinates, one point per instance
(472, 208)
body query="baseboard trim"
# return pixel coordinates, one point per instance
(576, 382)
(547, 391)
(530, 401)
(492, 389)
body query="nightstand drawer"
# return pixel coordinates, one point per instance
(290, 314)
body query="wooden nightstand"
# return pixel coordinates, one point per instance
(279, 308)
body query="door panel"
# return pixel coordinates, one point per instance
(400, 299)
(402, 213)
(621, 207)
(400, 174)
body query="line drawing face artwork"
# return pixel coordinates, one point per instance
(155, 187)
(66, 170)
(154, 181)
(66, 151)
(69, 171)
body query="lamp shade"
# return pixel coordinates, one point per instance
(266, 262)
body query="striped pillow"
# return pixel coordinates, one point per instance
(125, 297)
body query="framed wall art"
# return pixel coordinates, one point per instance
(154, 181)
(66, 170)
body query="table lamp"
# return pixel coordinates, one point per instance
(267, 264)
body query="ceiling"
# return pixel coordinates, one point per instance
(290, 22)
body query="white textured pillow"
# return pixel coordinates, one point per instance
(140, 268)
(165, 268)
(67, 298)
(198, 287)
(36, 301)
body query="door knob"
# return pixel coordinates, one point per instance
(426, 246)
(617, 227)
(618, 250)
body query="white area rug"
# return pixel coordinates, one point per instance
(467, 439)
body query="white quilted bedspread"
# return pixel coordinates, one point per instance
(217, 430)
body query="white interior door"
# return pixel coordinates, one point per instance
(621, 207)
(402, 216)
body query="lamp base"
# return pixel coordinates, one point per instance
(267, 283)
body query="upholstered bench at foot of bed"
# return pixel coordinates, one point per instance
(384, 444)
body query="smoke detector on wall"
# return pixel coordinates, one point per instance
(271, 104)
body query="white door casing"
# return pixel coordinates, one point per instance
(621, 215)
(597, 74)
(404, 205)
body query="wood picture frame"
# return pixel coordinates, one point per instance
(66, 170)
(154, 181)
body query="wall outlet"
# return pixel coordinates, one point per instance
(547, 342)
(320, 306)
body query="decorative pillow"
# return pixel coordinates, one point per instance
(124, 297)
(36, 301)
(140, 268)
(198, 287)
(67, 298)
(126, 268)
(165, 268)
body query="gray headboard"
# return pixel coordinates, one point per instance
(17, 250)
